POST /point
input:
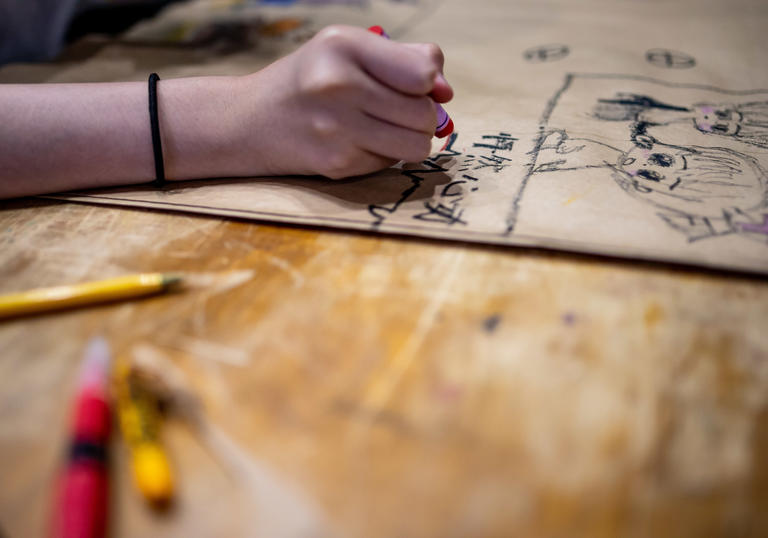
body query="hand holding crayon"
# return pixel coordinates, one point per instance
(351, 104)
(444, 122)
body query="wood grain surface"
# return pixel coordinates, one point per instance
(355, 385)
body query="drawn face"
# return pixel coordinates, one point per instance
(658, 168)
(696, 180)
(717, 119)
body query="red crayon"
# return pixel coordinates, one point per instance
(444, 122)
(81, 508)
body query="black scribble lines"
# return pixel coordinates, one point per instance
(430, 166)
(546, 53)
(440, 212)
(447, 206)
(514, 210)
(556, 143)
(488, 156)
(492, 148)
(670, 59)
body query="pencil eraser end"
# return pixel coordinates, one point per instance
(446, 130)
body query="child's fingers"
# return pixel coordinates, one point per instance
(431, 50)
(441, 91)
(403, 68)
(415, 113)
(388, 140)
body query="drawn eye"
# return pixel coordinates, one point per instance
(661, 159)
(644, 141)
(650, 175)
(628, 161)
(642, 188)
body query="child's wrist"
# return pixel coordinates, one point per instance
(201, 127)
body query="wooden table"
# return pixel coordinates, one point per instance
(360, 385)
(372, 386)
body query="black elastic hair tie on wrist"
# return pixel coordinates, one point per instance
(154, 123)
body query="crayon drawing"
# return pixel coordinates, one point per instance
(695, 157)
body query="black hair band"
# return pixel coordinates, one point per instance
(154, 123)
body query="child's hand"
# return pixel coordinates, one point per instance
(346, 103)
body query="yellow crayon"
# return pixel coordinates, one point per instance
(59, 297)
(140, 420)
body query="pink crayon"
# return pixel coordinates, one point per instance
(444, 122)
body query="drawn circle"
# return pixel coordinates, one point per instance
(546, 53)
(670, 59)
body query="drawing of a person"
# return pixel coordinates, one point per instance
(699, 191)
(744, 122)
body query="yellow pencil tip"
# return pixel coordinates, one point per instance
(172, 280)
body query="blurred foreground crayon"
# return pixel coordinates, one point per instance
(87, 293)
(138, 409)
(444, 121)
(81, 503)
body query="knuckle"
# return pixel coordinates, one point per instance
(431, 62)
(335, 35)
(324, 125)
(435, 53)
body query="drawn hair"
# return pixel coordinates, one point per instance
(627, 106)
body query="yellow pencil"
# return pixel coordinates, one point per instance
(59, 297)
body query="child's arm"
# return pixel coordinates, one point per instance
(346, 103)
